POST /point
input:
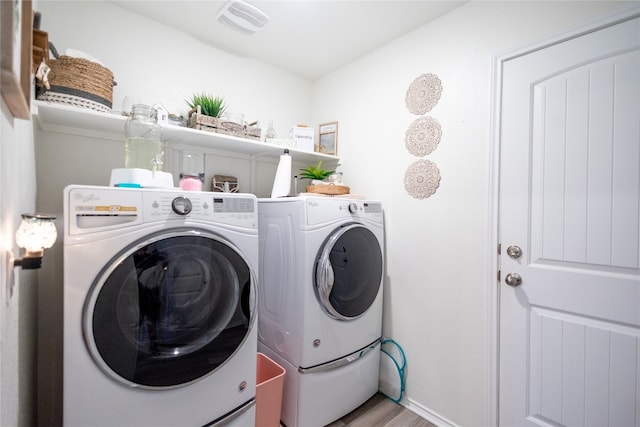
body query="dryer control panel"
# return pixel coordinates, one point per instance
(322, 210)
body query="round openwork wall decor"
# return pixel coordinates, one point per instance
(423, 94)
(421, 179)
(423, 136)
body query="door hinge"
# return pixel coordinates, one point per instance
(499, 276)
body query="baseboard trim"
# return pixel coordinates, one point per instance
(426, 413)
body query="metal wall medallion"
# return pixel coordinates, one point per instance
(423, 136)
(423, 94)
(421, 179)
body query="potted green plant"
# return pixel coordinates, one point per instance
(212, 106)
(205, 112)
(315, 172)
(318, 175)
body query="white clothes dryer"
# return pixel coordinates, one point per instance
(320, 302)
(160, 307)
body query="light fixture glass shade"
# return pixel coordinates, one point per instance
(36, 232)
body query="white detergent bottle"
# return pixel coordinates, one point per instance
(282, 181)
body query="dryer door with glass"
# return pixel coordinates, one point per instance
(348, 272)
(170, 309)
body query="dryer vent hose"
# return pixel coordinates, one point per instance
(393, 364)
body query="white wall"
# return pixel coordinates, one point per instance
(154, 63)
(17, 312)
(437, 249)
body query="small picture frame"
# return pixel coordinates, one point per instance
(15, 63)
(328, 139)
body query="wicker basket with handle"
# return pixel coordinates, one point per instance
(79, 82)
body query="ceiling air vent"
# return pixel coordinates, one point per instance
(242, 16)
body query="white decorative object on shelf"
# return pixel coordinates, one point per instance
(423, 94)
(281, 142)
(423, 136)
(421, 179)
(304, 138)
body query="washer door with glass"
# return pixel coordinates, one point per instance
(349, 272)
(169, 310)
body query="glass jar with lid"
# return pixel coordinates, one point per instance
(176, 120)
(144, 148)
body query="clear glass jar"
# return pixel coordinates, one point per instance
(143, 148)
(271, 132)
(335, 178)
(176, 120)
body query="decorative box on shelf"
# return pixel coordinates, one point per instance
(224, 184)
(217, 125)
(304, 138)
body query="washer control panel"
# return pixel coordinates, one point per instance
(228, 208)
(92, 208)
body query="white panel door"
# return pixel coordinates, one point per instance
(570, 200)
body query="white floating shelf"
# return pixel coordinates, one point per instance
(79, 121)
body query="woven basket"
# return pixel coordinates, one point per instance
(217, 125)
(73, 79)
(332, 190)
(218, 183)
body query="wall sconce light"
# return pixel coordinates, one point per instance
(36, 233)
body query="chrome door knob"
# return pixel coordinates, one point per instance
(514, 251)
(513, 279)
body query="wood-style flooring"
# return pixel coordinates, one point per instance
(381, 412)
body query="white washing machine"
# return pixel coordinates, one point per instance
(160, 307)
(320, 302)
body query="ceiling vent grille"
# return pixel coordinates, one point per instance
(242, 16)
